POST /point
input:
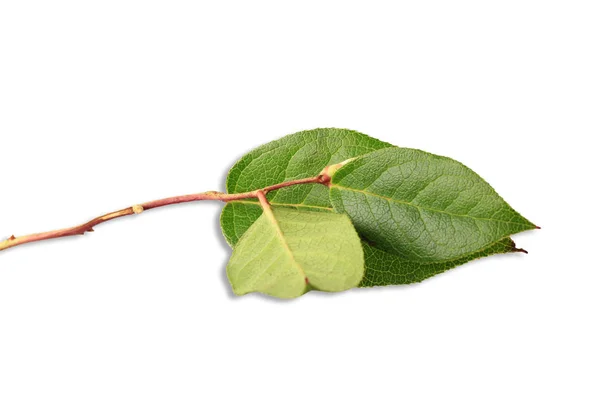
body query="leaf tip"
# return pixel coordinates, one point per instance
(515, 249)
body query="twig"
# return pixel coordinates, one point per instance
(139, 208)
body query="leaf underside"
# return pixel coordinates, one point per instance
(422, 207)
(300, 155)
(287, 252)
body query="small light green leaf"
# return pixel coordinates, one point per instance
(383, 268)
(287, 252)
(422, 207)
(299, 155)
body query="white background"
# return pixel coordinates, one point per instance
(107, 104)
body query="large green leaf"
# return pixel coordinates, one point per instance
(287, 252)
(299, 155)
(421, 206)
(383, 268)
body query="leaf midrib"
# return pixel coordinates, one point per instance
(419, 207)
(271, 217)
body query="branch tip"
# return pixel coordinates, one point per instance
(324, 179)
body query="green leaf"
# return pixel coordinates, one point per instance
(287, 252)
(383, 268)
(299, 155)
(422, 207)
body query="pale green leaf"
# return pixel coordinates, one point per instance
(299, 155)
(421, 206)
(288, 251)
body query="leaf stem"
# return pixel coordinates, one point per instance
(139, 208)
